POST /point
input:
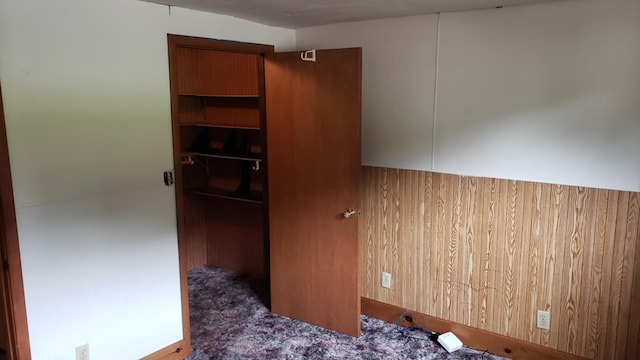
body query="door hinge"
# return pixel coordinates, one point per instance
(5, 264)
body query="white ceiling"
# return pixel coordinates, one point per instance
(306, 13)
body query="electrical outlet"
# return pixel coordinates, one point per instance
(386, 280)
(544, 320)
(82, 352)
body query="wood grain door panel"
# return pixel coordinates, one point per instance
(313, 142)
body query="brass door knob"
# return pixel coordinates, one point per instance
(349, 213)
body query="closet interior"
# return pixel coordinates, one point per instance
(218, 110)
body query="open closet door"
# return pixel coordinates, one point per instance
(313, 146)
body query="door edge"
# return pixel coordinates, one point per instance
(16, 309)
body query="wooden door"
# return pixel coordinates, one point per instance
(313, 152)
(5, 311)
(14, 336)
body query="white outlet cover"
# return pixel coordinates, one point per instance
(82, 352)
(386, 280)
(544, 320)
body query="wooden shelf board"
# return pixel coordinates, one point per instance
(246, 157)
(222, 126)
(221, 96)
(252, 197)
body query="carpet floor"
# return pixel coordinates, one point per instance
(228, 321)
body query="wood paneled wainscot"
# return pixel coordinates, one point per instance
(489, 253)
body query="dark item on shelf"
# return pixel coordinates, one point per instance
(244, 188)
(200, 144)
(230, 143)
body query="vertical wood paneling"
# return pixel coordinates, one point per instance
(387, 232)
(452, 229)
(473, 214)
(195, 218)
(573, 268)
(532, 250)
(500, 258)
(367, 245)
(521, 224)
(233, 112)
(216, 73)
(417, 248)
(545, 262)
(489, 287)
(488, 253)
(474, 238)
(596, 266)
(626, 276)
(512, 247)
(618, 272)
(190, 110)
(559, 213)
(588, 272)
(404, 236)
(396, 235)
(428, 281)
(235, 237)
(439, 246)
(605, 238)
(633, 232)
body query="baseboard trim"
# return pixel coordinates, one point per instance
(176, 351)
(472, 337)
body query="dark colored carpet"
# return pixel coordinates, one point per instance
(228, 321)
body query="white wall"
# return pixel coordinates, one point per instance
(548, 93)
(545, 92)
(86, 95)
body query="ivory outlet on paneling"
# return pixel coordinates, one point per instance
(386, 280)
(82, 352)
(544, 319)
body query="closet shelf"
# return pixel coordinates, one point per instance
(226, 155)
(232, 96)
(221, 126)
(254, 197)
